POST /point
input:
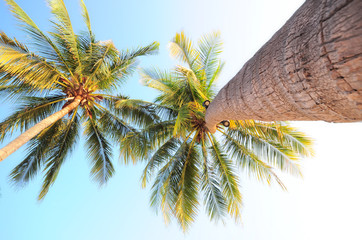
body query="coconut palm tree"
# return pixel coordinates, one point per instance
(185, 159)
(309, 70)
(67, 82)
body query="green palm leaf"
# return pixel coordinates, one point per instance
(165, 189)
(210, 48)
(182, 49)
(214, 199)
(273, 152)
(139, 112)
(37, 152)
(86, 19)
(139, 144)
(45, 45)
(249, 161)
(113, 126)
(229, 179)
(33, 110)
(14, 92)
(26, 67)
(61, 147)
(99, 152)
(187, 197)
(64, 29)
(161, 155)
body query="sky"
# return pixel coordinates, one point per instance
(325, 204)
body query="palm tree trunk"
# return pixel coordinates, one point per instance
(311, 69)
(36, 129)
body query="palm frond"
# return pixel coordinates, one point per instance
(99, 152)
(280, 132)
(64, 29)
(139, 112)
(229, 179)
(164, 191)
(297, 141)
(117, 66)
(194, 85)
(43, 43)
(164, 82)
(175, 188)
(61, 147)
(249, 161)
(16, 91)
(138, 145)
(210, 88)
(23, 66)
(140, 51)
(162, 154)
(182, 49)
(98, 63)
(113, 126)
(271, 151)
(182, 122)
(187, 196)
(157, 79)
(214, 200)
(38, 149)
(210, 48)
(7, 41)
(86, 19)
(32, 111)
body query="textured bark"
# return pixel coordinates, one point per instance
(36, 129)
(311, 69)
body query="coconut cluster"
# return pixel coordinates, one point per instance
(77, 88)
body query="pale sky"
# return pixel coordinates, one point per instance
(325, 204)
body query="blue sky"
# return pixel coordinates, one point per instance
(325, 204)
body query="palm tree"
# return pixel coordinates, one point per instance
(309, 70)
(186, 159)
(67, 82)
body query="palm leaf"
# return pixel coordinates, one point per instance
(23, 66)
(37, 152)
(122, 65)
(166, 187)
(193, 83)
(162, 154)
(271, 151)
(138, 145)
(210, 88)
(229, 179)
(32, 111)
(64, 28)
(139, 112)
(249, 161)
(210, 47)
(44, 44)
(140, 51)
(157, 79)
(114, 127)
(61, 147)
(187, 196)
(99, 152)
(214, 200)
(16, 91)
(86, 19)
(182, 49)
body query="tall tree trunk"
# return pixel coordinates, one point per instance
(36, 129)
(311, 69)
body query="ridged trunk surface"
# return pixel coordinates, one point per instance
(36, 129)
(311, 69)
